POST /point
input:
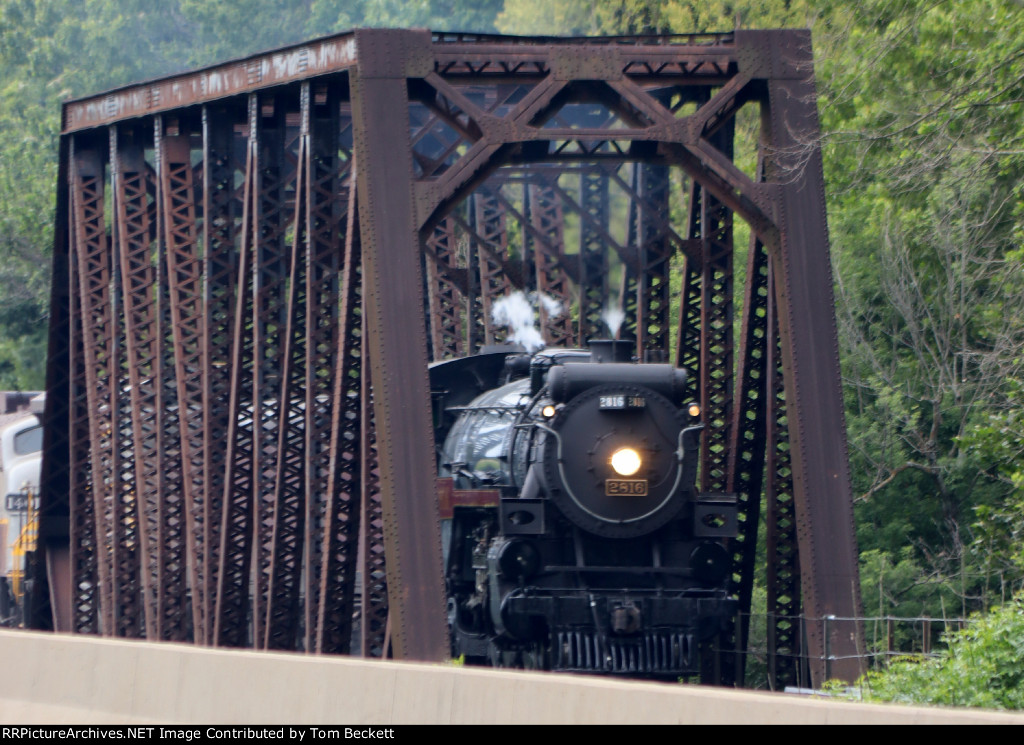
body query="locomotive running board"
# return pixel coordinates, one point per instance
(448, 497)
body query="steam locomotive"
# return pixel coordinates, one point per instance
(573, 536)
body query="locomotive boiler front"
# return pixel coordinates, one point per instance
(619, 456)
(576, 539)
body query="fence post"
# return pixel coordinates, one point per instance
(739, 678)
(828, 649)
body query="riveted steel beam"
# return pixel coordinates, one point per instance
(331, 471)
(810, 361)
(289, 511)
(184, 282)
(134, 180)
(446, 295)
(348, 474)
(374, 632)
(84, 180)
(396, 336)
(98, 344)
(785, 661)
(546, 213)
(593, 256)
(271, 258)
(289, 64)
(231, 611)
(223, 161)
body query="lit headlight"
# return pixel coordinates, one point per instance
(626, 461)
(548, 411)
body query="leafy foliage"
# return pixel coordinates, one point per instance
(983, 667)
(923, 168)
(647, 17)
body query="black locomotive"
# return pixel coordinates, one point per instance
(573, 536)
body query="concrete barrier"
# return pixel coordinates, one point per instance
(58, 679)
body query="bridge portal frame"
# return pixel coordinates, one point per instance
(272, 229)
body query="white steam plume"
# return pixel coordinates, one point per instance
(613, 318)
(551, 306)
(516, 312)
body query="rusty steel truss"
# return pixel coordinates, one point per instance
(255, 263)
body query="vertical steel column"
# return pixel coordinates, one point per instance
(289, 514)
(392, 301)
(688, 335)
(328, 254)
(546, 213)
(233, 573)
(98, 345)
(476, 322)
(594, 250)
(782, 551)
(653, 299)
(269, 319)
(129, 613)
(716, 340)
(491, 243)
(374, 590)
(222, 215)
(135, 221)
(746, 449)
(803, 275)
(629, 287)
(87, 570)
(446, 299)
(170, 520)
(183, 506)
(346, 473)
(530, 239)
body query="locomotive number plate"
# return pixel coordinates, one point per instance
(621, 402)
(625, 487)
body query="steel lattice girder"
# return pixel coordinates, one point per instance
(265, 317)
(224, 161)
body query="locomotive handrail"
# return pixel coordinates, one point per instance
(498, 409)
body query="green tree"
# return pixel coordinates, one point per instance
(920, 106)
(611, 17)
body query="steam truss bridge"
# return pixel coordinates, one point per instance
(254, 264)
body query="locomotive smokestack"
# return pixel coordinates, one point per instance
(611, 350)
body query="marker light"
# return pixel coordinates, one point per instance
(693, 410)
(548, 411)
(626, 461)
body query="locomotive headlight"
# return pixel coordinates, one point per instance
(626, 461)
(548, 411)
(693, 410)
